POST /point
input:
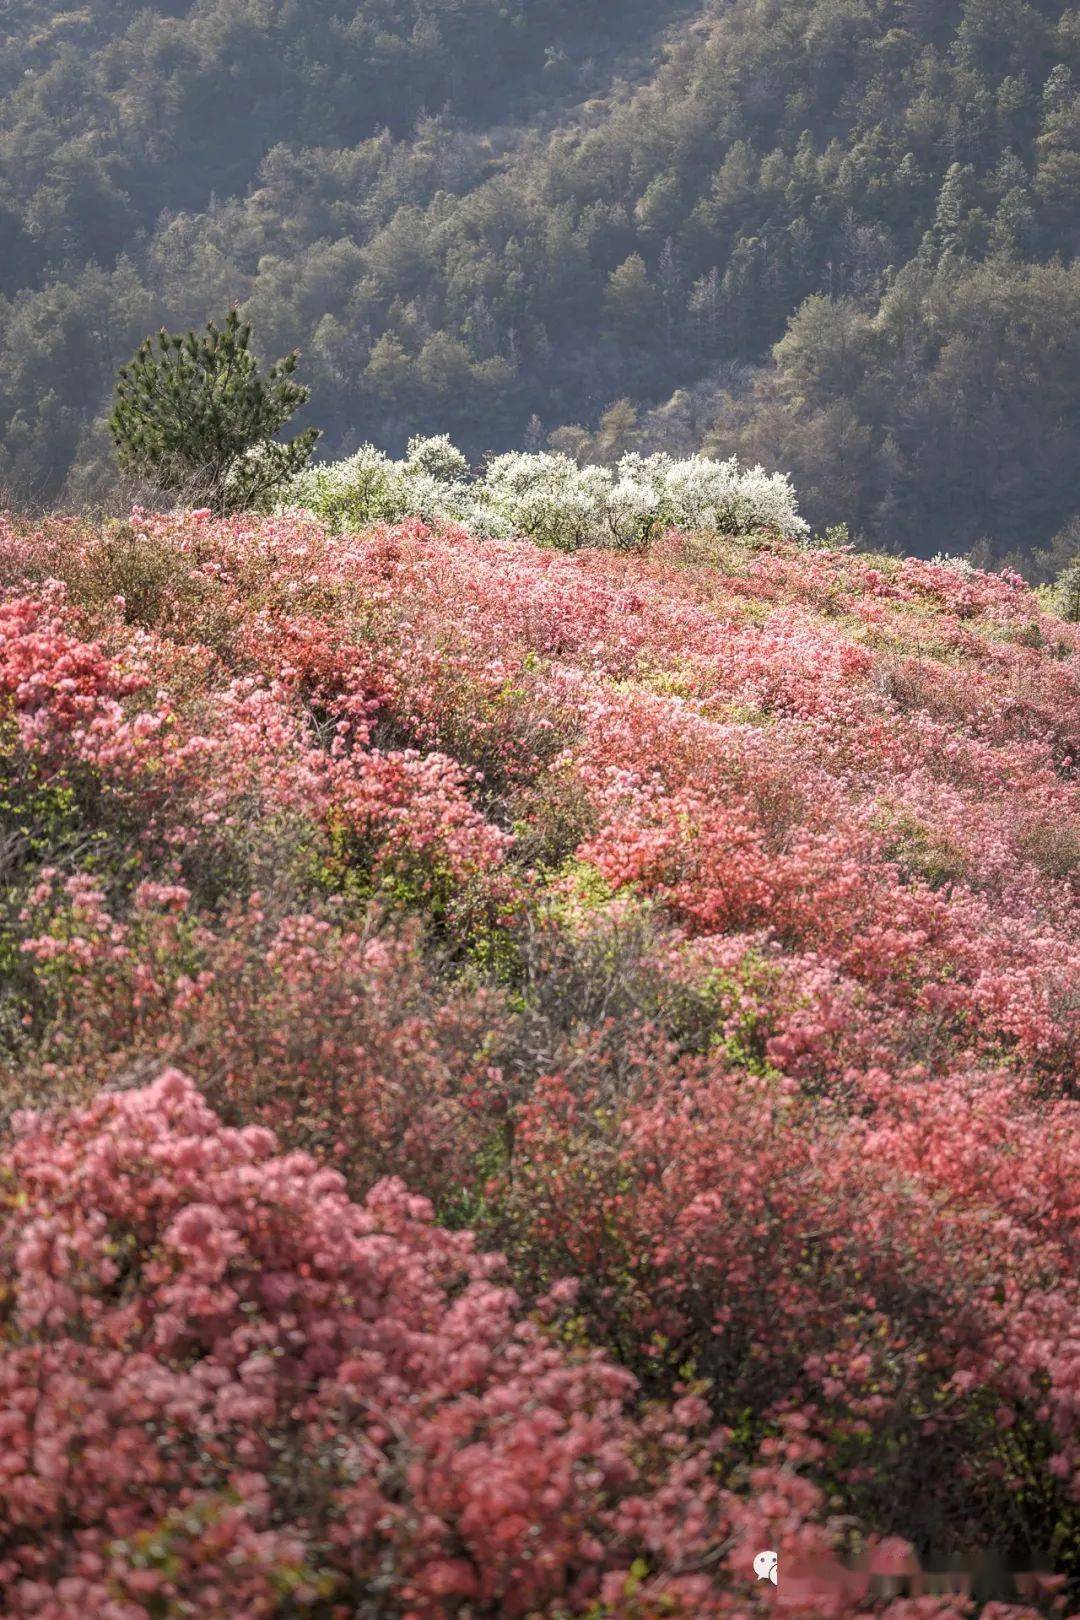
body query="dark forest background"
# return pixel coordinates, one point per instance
(835, 236)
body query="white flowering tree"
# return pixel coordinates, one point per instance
(368, 487)
(548, 498)
(1067, 591)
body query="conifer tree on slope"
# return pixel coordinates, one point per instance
(194, 414)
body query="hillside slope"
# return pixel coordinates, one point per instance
(700, 926)
(498, 219)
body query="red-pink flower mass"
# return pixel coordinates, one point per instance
(530, 1077)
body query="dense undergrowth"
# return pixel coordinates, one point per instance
(697, 930)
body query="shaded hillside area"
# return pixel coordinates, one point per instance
(499, 218)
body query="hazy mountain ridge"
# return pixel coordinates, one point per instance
(515, 257)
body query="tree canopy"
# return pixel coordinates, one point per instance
(194, 414)
(475, 219)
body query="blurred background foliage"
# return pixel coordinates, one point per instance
(837, 237)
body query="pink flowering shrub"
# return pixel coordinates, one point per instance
(227, 1389)
(889, 1293)
(52, 682)
(701, 926)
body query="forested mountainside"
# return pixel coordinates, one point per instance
(835, 236)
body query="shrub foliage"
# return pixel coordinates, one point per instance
(548, 498)
(695, 928)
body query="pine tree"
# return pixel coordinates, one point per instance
(631, 299)
(706, 308)
(194, 414)
(669, 277)
(1058, 90)
(533, 441)
(950, 214)
(1013, 228)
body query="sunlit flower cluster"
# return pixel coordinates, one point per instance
(547, 497)
(227, 1388)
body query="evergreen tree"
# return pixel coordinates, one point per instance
(533, 441)
(1013, 224)
(631, 298)
(706, 308)
(194, 414)
(949, 218)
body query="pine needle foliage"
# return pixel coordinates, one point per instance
(194, 414)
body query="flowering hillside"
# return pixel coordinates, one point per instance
(531, 1076)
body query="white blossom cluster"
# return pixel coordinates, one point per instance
(1066, 594)
(549, 498)
(948, 559)
(368, 487)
